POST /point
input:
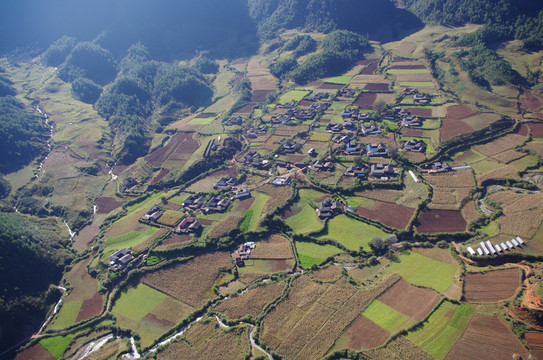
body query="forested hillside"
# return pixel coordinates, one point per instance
(504, 19)
(32, 257)
(381, 20)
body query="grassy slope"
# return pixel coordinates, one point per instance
(352, 233)
(311, 254)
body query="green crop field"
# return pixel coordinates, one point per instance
(523, 163)
(305, 221)
(359, 201)
(56, 345)
(67, 314)
(442, 329)
(202, 121)
(342, 80)
(130, 239)
(132, 308)
(385, 316)
(416, 83)
(311, 254)
(491, 229)
(485, 165)
(351, 233)
(256, 207)
(293, 95)
(423, 271)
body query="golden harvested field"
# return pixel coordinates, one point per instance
(320, 136)
(224, 226)
(274, 247)
(257, 67)
(381, 195)
(499, 145)
(522, 213)
(170, 218)
(451, 179)
(251, 302)
(207, 341)
(190, 282)
(505, 172)
(307, 323)
(444, 197)
(278, 196)
(332, 272)
(536, 147)
(399, 348)
(508, 156)
(287, 130)
(469, 212)
(263, 82)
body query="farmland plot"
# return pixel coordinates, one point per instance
(436, 221)
(487, 337)
(353, 234)
(310, 254)
(492, 286)
(273, 247)
(522, 213)
(190, 282)
(390, 214)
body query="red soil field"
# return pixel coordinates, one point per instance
(420, 112)
(522, 130)
(327, 86)
(244, 205)
(160, 176)
(365, 62)
(305, 103)
(487, 337)
(34, 353)
(205, 115)
(365, 100)
(532, 102)
(410, 300)
(390, 214)
(179, 143)
(534, 338)
(412, 132)
(376, 87)
(537, 129)
(259, 96)
(247, 109)
(118, 169)
(106, 204)
(178, 240)
(365, 334)
(407, 67)
(491, 286)
(91, 307)
(434, 220)
(368, 70)
(163, 323)
(452, 124)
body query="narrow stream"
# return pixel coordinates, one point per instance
(55, 310)
(45, 118)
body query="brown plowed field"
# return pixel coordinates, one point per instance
(522, 130)
(328, 86)
(160, 176)
(531, 102)
(365, 334)
(407, 67)
(451, 127)
(487, 337)
(370, 69)
(91, 307)
(260, 95)
(420, 112)
(534, 338)
(390, 214)
(365, 100)
(491, 286)
(412, 132)
(178, 240)
(435, 220)
(376, 87)
(537, 129)
(180, 143)
(36, 352)
(107, 204)
(190, 282)
(247, 109)
(410, 300)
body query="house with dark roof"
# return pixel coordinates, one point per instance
(322, 95)
(289, 148)
(353, 148)
(235, 120)
(329, 208)
(188, 224)
(409, 91)
(382, 171)
(217, 203)
(120, 259)
(370, 130)
(414, 145)
(193, 202)
(129, 183)
(281, 181)
(155, 216)
(356, 170)
(346, 113)
(411, 121)
(376, 149)
(225, 182)
(439, 167)
(421, 99)
(323, 166)
(349, 126)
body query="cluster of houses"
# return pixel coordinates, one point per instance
(253, 133)
(217, 203)
(346, 93)
(234, 120)
(153, 214)
(368, 129)
(243, 252)
(414, 146)
(187, 225)
(321, 96)
(323, 166)
(254, 159)
(225, 182)
(490, 248)
(120, 259)
(328, 208)
(382, 171)
(356, 114)
(418, 97)
(403, 116)
(356, 171)
(289, 147)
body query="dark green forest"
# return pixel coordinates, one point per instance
(33, 256)
(23, 135)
